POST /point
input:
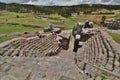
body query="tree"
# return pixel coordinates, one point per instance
(103, 19)
(17, 16)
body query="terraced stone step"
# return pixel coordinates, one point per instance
(99, 50)
(31, 47)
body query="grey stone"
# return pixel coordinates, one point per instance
(1, 62)
(6, 67)
(20, 73)
(46, 68)
(16, 34)
(8, 77)
(2, 35)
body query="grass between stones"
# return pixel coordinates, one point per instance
(115, 37)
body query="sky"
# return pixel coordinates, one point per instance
(62, 2)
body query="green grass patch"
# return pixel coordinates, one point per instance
(69, 23)
(56, 17)
(65, 78)
(42, 20)
(35, 19)
(7, 29)
(115, 37)
(103, 76)
(7, 38)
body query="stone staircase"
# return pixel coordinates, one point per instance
(97, 59)
(100, 57)
(35, 47)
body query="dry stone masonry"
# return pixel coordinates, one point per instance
(35, 47)
(99, 56)
(112, 25)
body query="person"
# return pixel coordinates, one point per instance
(51, 27)
(77, 29)
(76, 43)
(86, 24)
(91, 24)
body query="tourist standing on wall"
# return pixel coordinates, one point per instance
(76, 43)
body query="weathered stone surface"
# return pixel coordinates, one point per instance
(6, 67)
(2, 35)
(65, 40)
(16, 34)
(8, 77)
(112, 25)
(46, 68)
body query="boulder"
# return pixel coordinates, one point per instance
(65, 40)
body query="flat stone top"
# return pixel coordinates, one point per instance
(46, 68)
(65, 35)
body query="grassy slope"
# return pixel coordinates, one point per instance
(115, 37)
(7, 29)
(35, 20)
(57, 20)
(25, 18)
(8, 19)
(7, 38)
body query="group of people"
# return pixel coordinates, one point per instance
(78, 30)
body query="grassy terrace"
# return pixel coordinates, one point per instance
(8, 29)
(34, 20)
(12, 19)
(7, 38)
(11, 22)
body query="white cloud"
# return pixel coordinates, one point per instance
(62, 2)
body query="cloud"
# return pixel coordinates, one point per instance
(62, 2)
(14, 1)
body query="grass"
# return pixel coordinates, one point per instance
(115, 37)
(11, 22)
(7, 38)
(8, 29)
(55, 19)
(24, 18)
(65, 78)
(103, 76)
(35, 19)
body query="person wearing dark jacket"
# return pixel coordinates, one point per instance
(76, 43)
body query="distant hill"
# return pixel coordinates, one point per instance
(62, 10)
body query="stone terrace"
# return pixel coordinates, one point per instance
(99, 55)
(34, 47)
(22, 59)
